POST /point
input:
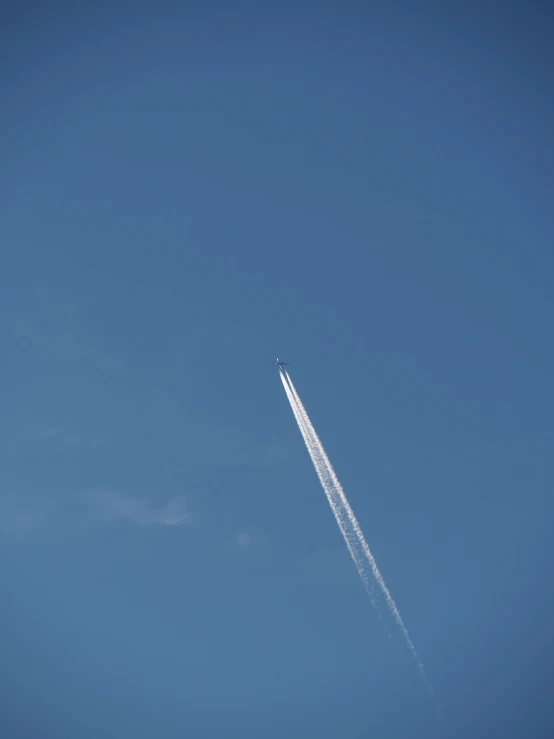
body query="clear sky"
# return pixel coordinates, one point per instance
(188, 190)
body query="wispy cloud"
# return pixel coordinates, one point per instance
(243, 540)
(49, 433)
(99, 507)
(109, 506)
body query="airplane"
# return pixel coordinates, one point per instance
(280, 364)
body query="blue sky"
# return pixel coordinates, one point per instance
(186, 193)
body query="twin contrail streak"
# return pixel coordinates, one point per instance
(319, 465)
(344, 515)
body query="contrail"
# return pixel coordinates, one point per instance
(348, 524)
(323, 475)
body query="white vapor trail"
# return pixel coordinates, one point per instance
(348, 524)
(325, 483)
